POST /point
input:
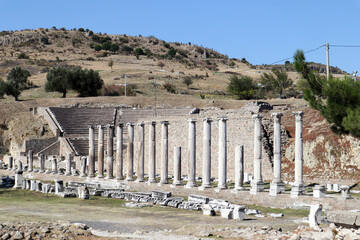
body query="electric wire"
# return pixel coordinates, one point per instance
(312, 50)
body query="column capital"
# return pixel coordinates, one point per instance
(152, 123)
(100, 126)
(141, 124)
(224, 119)
(191, 120)
(207, 120)
(165, 122)
(277, 116)
(109, 126)
(257, 116)
(91, 126)
(120, 125)
(298, 115)
(130, 124)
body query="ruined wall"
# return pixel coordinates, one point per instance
(38, 144)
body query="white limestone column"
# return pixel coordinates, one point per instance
(110, 151)
(192, 154)
(239, 168)
(206, 167)
(100, 152)
(91, 152)
(130, 153)
(83, 167)
(152, 152)
(68, 164)
(31, 161)
(164, 153)
(277, 185)
(119, 151)
(177, 167)
(42, 163)
(298, 186)
(222, 154)
(10, 163)
(141, 156)
(54, 165)
(257, 184)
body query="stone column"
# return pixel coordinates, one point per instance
(257, 185)
(119, 151)
(206, 168)
(54, 165)
(68, 164)
(110, 151)
(164, 153)
(277, 185)
(298, 187)
(91, 152)
(141, 156)
(152, 152)
(83, 167)
(10, 163)
(177, 167)
(222, 154)
(101, 152)
(31, 161)
(130, 153)
(239, 168)
(42, 163)
(192, 154)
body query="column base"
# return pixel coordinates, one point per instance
(67, 174)
(36, 170)
(59, 173)
(149, 183)
(204, 186)
(256, 187)
(54, 172)
(83, 175)
(297, 190)
(219, 188)
(119, 178)
(176, 184)
(190, 185)
(162, 183)
(91, 175)
(42, 171)
(237, 189)
(129, 179)
(109, 178)
(276, 188)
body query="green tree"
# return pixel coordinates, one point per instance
(110, 64)
(276, 81)
(337, 100)
(58, 80)
(106, 45)
(3, 87)
(97, 48)
(243, 87)
(171, 52)
(85, 82)
(114, 47)
(17, 81)
(187, 80)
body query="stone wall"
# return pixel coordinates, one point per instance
(39, 144)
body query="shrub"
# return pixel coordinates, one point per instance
(167, 45)
(187, 80)
(97, 48)
(244, 87)
(2, 88)
(45, 40)
(116, 90)
(81, 30)
(75, 41)
(23, 56)
(139, 51)
(106, 45)
(170, 87)
(114, 47)
(171, 52)
(161, 64)
(127, 49)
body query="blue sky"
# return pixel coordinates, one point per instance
(261, 31)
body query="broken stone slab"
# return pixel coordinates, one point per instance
(226, 213)
(239, 213)
(329, 187)
(160, 194)
(276, 215)
(319, 191)
(251, 212)
(344, 218)
(315, 216)
(46, 188)
(208, 210)
(83, 193)
(67, 194)
(198, 199)
(81, 184)
(59, 186)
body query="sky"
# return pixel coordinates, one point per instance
(263, 32)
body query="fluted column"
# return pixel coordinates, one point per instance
(91, 152)
(298, 186)
(54, 165)
(31, 161)
(68, 164)
(222, 154)
(177, 167)
(119, 151)
(192, 154)
(164, 153)
(100, 152)
(152, 152)
(110, 151)
(206, 166)
(141, 156)
(83, 167)
(42, 163)
(277, 185)
(239, 168)
(257, 184)
(10, 163)
(130, 153)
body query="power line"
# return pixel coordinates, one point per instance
(312, 50)
(347, 46)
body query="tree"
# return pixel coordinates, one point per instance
(2, 88)
(97, 48)
(114, 47)
(161, 64)
(337, 100)
(58, 80)
(277, 81)
(106, 45)
(85, 82)
(242, 86)
(171, 52)
(111, 63)
(187, 80)
(138, 51)
(17, 81)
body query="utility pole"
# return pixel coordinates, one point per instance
(125, 84)
(327, 61)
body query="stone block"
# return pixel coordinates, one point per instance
(341, 217)
(239, 213)
(319, 191)
(198, 199)
(208, 210)
(226, 213)
(160, 194)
